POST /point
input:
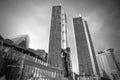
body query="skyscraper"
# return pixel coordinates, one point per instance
(59, 52)
(86, 56)
(54, 57)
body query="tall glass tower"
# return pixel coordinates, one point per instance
(57, 40)
(86, 56)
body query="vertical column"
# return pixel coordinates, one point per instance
(63, 31)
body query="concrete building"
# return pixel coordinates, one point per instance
(59, 51)
(117, 56)
(54, 56)
(86, 56)
(21, 63)
(108, 64)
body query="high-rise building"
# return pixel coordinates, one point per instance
(59, 51)
(108, 64)
(54, 56)
(87, 62)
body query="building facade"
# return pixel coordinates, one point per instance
(20, 63)
(22, 40)
(54, 56)
(57, 40)
(86, 56)
(58, 54)
(117, 56)
(108, 64)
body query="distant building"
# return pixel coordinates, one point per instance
(22, 63)
(87, 62)
(22, 40)
(117, 56)
(107, 64)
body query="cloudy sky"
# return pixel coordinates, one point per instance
(33, 17)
